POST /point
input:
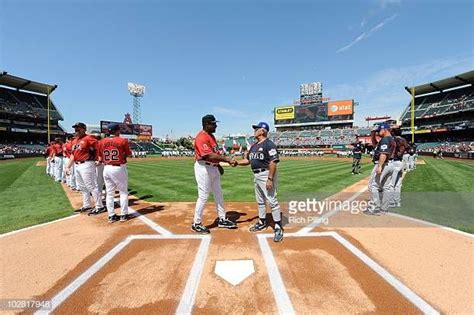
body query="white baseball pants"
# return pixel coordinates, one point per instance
(208, 180)
(100, 177)
(58, 168)
(116, 178)
(86, 180)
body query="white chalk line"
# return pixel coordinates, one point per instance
(195, 273)
(431, 224)
(152, 224)
(421, 304)
(186, 302)
(280, 294)
(37, 225)
(329, 214)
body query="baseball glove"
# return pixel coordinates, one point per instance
(221, 169)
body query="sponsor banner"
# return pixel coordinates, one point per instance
(337, 108)
(27, 123)
(287, 112)
(19, 130)
(128, 129)
(440, 130)
(3, 128)
(37, 131)
(422, 131)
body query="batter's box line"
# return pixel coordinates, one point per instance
(190, 290)
(279, 290)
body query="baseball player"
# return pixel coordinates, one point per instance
(58, 160)
(114, 151)
(263, 158)
(52, 167)
(356, 157)
(411, 157)
(47, 153)
(401, 146)
(380, 182)
(99, 168)
(208, 177)
(67, 149)
(84, 154)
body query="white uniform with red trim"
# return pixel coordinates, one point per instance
(207, 175)
(84, 152)
(114, 152)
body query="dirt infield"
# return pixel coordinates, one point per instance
(153, 264)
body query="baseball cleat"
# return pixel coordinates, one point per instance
(83, 209)
(96, 211)
(278, 237)
(113, 218)
(369, 212)
(123, 217)
(259, 226)
(226, 223)
(199, 228)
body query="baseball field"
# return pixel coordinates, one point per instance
(29, 197)
(343, 262)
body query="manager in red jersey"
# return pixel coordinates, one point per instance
(114, 151)
(83, 155)
(207, 174)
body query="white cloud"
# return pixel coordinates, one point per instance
(367, 34)
(382, 93)
(230, 112)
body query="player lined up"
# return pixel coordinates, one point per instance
(87, 163)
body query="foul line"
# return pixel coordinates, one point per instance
(190, 290)
(195, 273)
(329, 214)
(431, 224)
(158, 228)
(37, 225)
(282, 299)
(388, 277)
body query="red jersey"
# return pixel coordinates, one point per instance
(114, 150)
(58, 149)
(204, 144)
(67, 147)
(84, 149)
(51, 150)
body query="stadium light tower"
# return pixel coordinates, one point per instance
(136, 91)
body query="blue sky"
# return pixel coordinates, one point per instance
(236, 59)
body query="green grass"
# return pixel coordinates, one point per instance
(442, 192)
(173, 180)
(28, 196)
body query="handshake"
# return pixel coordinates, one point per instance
(232, 162)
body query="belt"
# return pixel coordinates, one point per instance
(114, 164)
(208, 163)
(397, 159)
(80, 162)
(259, 170)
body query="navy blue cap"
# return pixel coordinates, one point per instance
(383, 126)
(113, 127)
(261, 124)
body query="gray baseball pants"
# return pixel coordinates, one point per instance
(262, 195)
(380, 186)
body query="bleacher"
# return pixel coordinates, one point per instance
(442, 103)
(25, 104)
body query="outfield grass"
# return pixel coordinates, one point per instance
(28, 196)
(173, 180)
(442, 192)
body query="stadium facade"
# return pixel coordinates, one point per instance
(24, 111)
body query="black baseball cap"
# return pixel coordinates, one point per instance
(79, 125)
(209, 119)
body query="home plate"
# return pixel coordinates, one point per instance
(234, 271)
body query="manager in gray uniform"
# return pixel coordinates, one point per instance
(380, 182)
(263, 158)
